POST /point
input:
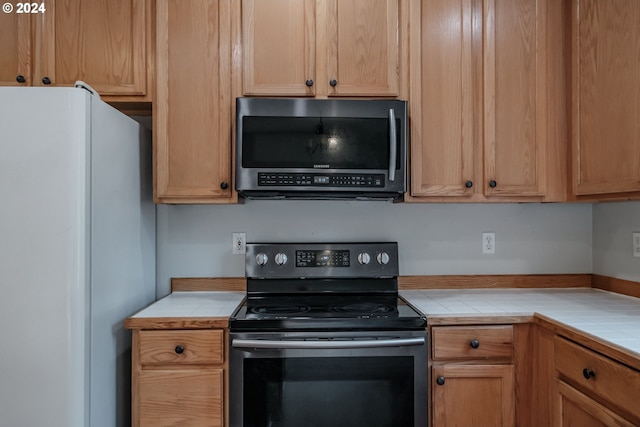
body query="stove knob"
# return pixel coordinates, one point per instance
(383, 258)
(262, 259)
(364, 258)
(280, 258)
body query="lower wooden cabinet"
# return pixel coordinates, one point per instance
(473, 376)
(593, 389)
(178, 378)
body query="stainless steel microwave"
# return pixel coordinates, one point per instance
(321, 148)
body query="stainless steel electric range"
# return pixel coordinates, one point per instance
(324, 340)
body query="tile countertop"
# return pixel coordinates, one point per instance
(607, 316)
(194, 304)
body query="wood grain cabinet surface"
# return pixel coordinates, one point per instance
(321, 48)
(606, 97)
(192, 107)
(487, 100)
(178, 378)
(473, 376)
(594, 387)
(104, 43)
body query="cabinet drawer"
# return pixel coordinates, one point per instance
(608, 379)
(187, 347)
(472, 342)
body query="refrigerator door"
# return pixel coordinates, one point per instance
(122, 255)
(43, 255)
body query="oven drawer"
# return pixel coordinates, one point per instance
(195, 347)
(598, 375)
(472, 342)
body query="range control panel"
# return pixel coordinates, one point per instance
(321, 260)
(320, 179)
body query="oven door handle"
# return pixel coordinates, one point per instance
(327, 344)
(392, 144)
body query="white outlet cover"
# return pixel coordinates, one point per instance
(636, 244)
(489, 243)
(238, 243)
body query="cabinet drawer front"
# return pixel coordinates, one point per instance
(608, 379)
(187, 347)
(472, 342)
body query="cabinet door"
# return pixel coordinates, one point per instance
(184, 397)
(192, 138)
(442, 125)
(278, 42)
(606, 96)
(15, 49)
(578, 410)
(363, 47)
(515, 133)
(473, 395)
(101, 42)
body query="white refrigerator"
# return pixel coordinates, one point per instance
(77, 256)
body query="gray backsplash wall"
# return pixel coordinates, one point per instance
(613, 225)
(195, 241)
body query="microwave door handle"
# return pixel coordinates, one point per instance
(393, 132)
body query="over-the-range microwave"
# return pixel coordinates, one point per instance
(321, 148)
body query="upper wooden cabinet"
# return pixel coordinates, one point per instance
(98, 41)
(487, 100)
(606, 96)
(192, 107)
(321, 48)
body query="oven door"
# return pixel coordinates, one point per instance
(374, 379)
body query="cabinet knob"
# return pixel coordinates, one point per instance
(440, 380)
(179, 349)
(309, 83)
(224, 185)
(46, 80)
(474, 343)
(468, 184)
(588, 373)
(333, 82)
(493, 183)
(20, 78)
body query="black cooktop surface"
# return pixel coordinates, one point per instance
(326, 312)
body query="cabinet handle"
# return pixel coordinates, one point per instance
(20, 78)
(179, 349)
(333, 82)
(46, 80)
(309, 83)
(493, 183)
(440, 380)
(224, 185)
(468, 184)
(474, 343)
(588, 373)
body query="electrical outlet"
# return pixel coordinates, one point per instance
(488, 243)
(636, 244)
(239, 242)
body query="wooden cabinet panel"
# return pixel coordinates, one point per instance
(15, 49)
(181, 347)
(192, 123)
(441, 77)
(578, 410)
(473, 395)
(487, 86)
(472, 342)
(608, 379)
(98, 41)
(606, 96)
(515, 92)
(185, 397)
(279, 47)
(363, 51)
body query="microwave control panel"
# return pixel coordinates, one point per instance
(320, 179)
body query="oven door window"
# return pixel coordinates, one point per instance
(340, 391)
(315, 142)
